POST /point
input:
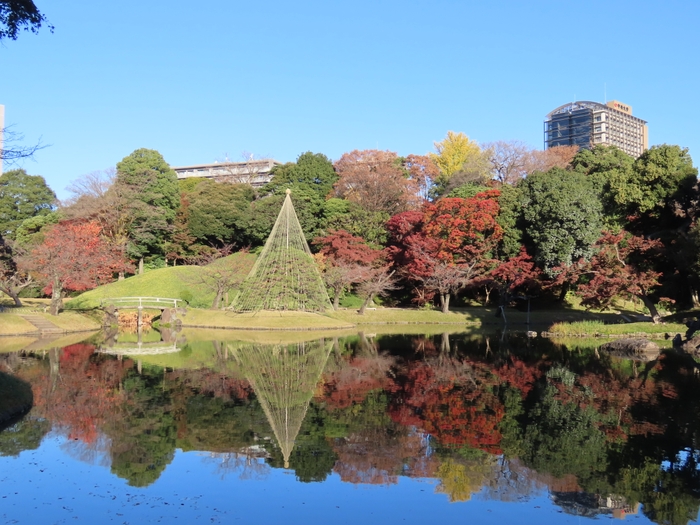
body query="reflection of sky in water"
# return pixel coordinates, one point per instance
(73, 480)
(50, 485)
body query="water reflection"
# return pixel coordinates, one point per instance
(500, 417)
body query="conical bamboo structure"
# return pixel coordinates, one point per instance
(284, 378)
(285, 275)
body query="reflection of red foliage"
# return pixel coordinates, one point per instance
(87, 393)
(451, 401)
(353, 382)
(209, 382)
(519, 375)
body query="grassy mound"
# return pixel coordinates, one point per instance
(177, 282)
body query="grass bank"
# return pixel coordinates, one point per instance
(262, 320)
(595, 328)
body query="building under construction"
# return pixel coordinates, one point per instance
(586, 124)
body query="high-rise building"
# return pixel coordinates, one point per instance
(586, 124)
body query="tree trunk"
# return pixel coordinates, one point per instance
(694, 297)
(445, 302)
(217, 300)
(655, 316)
(121, 276)
(141, 266)
(361, 311)
(564, 291)
(12, 294)
(56, 298)
(445, 343)
(336, 299)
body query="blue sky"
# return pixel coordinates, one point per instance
(201, 81)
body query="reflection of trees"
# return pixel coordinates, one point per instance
(284, 378)
(25, 434)
(460, 479)
(142, 430)
(451, 399)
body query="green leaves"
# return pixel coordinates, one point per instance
(22, 196)
(562, 216)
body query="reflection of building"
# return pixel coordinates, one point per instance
(586, 124)
(253, 172)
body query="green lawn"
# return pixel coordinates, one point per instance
(176, 282)
(262, 320)
(599, 329)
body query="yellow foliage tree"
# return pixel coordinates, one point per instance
(460, 158)
(460, 480)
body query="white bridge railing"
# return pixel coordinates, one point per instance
(141, 302)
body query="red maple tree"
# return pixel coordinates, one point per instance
(73, 256)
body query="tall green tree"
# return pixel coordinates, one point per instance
(311, 171)
(150, 195)
(219, 212)
(562, 217)
(22, 196)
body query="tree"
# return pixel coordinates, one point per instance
(509, 160)
(10, 150)
(623, 264)
(423, 171)
(95, 198)
(377, 281)
(73, 256)
(562, 217)
(661, 178)
(311, 171)
(340, 214)
(459, 161)
(12, 279)
(516, 274)
(224, 274)
(556, 157)
(149, 193)
(449, 245)
(22, 196)
(607, 166)
(17, 15)
(376, 181)
(218, 212)
(346, 259)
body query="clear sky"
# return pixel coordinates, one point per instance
(202, 81)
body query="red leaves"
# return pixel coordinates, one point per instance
(340, 247)
(75, 255)
(622, 265)
(447, 245)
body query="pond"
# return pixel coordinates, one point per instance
(215, 427)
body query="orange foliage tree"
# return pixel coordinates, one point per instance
(73, 256)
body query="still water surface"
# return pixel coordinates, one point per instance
(356, 428)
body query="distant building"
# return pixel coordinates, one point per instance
(253, 172)
(586, 124)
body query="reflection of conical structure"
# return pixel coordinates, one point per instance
(284, 378)
(285, 276)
